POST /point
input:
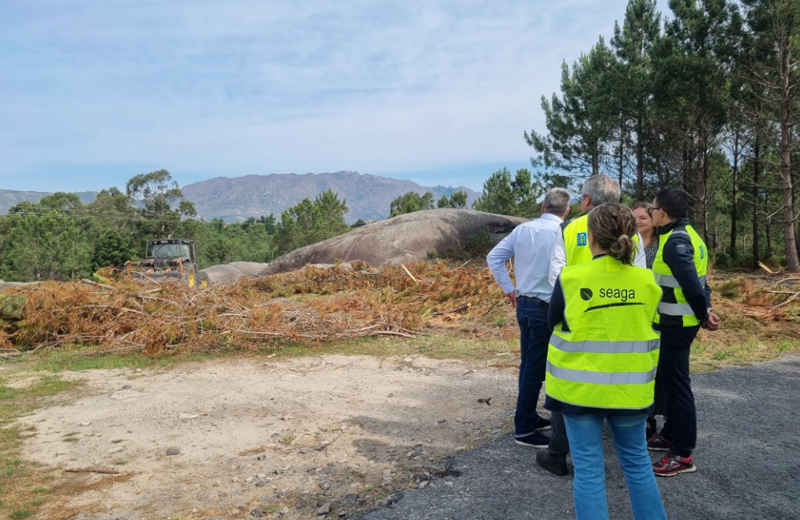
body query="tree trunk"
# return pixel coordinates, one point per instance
(621, 153)
(699, 203)
(768, 225)
(735, 202)
(639, 160)
(792, 262)
(756, 172)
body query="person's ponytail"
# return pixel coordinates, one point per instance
(622, 249)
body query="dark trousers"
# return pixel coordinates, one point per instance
(534, 340)
(559, 443)
(673, 369)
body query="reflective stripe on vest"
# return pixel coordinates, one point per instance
(605, 347)
(602, 378)
(666, 280)
(675, 309)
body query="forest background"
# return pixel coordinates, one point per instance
(703, 98)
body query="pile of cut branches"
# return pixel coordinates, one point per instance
(308, 306)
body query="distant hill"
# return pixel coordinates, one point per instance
(368, 196)
(10, 198)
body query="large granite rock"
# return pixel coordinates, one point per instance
(227, 273)
(399, 240)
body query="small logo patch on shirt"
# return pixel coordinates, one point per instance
(702, 252)
(582, 239)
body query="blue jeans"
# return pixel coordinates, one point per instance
(534, 340)
(585, 434)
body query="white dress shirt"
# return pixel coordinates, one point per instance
(531, 246)
(558, 259)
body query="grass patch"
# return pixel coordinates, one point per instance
(438, 347)
(20, 480)
(79, 358)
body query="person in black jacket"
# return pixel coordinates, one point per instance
(680, 268)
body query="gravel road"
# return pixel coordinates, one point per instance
(747, 443)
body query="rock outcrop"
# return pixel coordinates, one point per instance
(226, 273)
(399, 240)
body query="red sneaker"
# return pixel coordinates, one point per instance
(672, 465)
(658, 443)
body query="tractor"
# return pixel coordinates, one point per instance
(169, 260)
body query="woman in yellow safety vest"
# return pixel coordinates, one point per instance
(601, 363)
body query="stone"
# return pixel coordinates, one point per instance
(325, 509)
(284, 511)
(257, 512)
(126, 387)
(399, 240)
(262, 475)
(261, 457)
(173, 451)
(235, 479)
(124, 395)
(86, 424)
(188, 416)
(116, 449)
(261, 483)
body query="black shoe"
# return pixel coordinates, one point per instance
(551, 464)
(542, 424)
(534, 440)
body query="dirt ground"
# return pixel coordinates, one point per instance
(292, 438)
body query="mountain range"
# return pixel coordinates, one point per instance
(232, 199)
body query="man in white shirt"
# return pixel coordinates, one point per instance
(596, 190)
(531, 246)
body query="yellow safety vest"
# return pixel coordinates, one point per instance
(576, 241)
(674, 310)
(609, 355)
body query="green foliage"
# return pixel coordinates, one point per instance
(310, 222)
(358, 223)
(61, 239)
(46, 246)
(582, 120)
(411, 202)
(457, 199)
(506, 196)
(112, 249)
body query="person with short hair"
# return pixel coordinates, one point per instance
(530, 244)
(601, 363)
(680, 269)
(572, 247)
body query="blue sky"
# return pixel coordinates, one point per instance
(439, 92)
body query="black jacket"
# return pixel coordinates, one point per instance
(679, 256)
